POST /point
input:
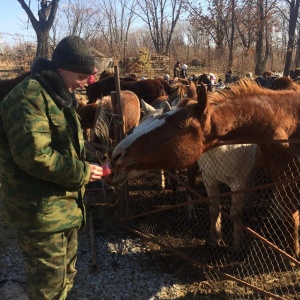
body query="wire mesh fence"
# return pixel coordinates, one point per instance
(226, 217)
(240, 235)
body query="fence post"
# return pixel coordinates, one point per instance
(119, 129)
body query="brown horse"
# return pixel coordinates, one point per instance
(180, 92)
(104, 74)
(6, 85)
(148, 89)
(245, 113)
(99, 116)
(284, 83)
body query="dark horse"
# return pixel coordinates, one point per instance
(6, 85)
(148, 89)
(245, 113)
(204, 78)
(104, 74)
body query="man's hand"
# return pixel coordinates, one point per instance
(96, 172)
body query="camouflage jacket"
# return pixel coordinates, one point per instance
(43, 171)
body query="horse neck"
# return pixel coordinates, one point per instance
(249, 122)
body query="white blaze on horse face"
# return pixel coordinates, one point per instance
(151, 123)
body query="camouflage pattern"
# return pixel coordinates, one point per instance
(42, 165)
(49, 263)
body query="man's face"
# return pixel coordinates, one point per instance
(73, 80)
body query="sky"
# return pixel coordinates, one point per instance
(12, 31)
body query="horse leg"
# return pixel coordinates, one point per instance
(191, 174)
(236, 210)
(212, 189)
(191, 210)
(288, 212)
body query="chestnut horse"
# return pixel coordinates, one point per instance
(148, 89)
(99, 116)
(245, 113)
(180, 92)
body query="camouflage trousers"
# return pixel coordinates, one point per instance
(49, 260)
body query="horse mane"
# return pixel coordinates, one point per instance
(243, 88)
(100, 128)
(186, 102)
(178, 92)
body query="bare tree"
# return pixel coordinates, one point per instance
(217, 23)
(161, 17)
(79, 18)
(42, 26)
(246, 22)
(114, 23)
(266, 10)
(293, 14)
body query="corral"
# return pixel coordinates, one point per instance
(259, 269)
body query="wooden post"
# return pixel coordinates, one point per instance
(119, 129)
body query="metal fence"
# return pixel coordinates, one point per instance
(178, 219)
(176, 212)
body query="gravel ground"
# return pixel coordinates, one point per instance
(128, 268)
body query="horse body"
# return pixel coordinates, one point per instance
(6, 85)
(99, 116)
(232, 165)
(180, 92)
(104, 74)
(246, 113)
(148, 89)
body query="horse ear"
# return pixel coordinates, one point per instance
(202, 97)
(166, 107)
(147, 108)
(192, 91)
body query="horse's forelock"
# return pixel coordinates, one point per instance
(185, 102)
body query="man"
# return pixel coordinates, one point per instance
(44, 168)
(176, 70)
(183, 71)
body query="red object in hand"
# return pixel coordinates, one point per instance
(106, 169)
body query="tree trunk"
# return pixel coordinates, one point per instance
(231, 45)
(42, 26)
(298, 50)
(43, 44)
(294, 9)
(259, 42)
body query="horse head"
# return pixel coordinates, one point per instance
(146, 148)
